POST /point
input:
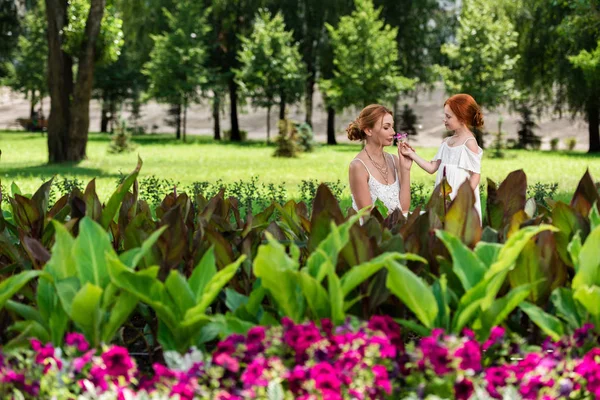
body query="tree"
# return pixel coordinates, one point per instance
(482, 60)
(28, 71)
(365, 59)
(306, 19)
(230, 20)
(271, 69)
(557, 39)
(176, 68)
(9, 33)
(78, 32)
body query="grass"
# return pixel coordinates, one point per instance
(24, 161)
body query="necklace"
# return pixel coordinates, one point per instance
(383, 169)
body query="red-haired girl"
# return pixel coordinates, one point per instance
(459, 156)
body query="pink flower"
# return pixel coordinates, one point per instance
(44, 355)
(253, 375)
(186, 392)
(470, 356)
(381, 378)
(496, 337)
(80, 362)
(227, 362)
(77, 340)
(117, 361)
(325, 378)
(401, 135)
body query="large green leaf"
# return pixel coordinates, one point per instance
(462, 219)
(204, 271)
(501, 308)
(513, 247)
(589, 297)
(414, 326)
(10, 286)
(440, 292)
(180, 292)
(588, 273)
(568, 222)
(548, 323)
(114, 203)
(86, 313)
(594, 217)
(360, 273)
(89, 251)
(211, 290)
(487, 252)
(278, 275)
(26, 312)
(466, 265)
(146, 287)
(413, 292)
(566, 307)
(316, 296)
(328, 250)
(336, 298)
(62, 263)
(51, 310)
(27, 329)
(119, 314)
(574, 248)
(132, 257)
(67, 289)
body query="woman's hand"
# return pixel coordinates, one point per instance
(405, 152)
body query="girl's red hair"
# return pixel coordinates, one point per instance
(466, 110)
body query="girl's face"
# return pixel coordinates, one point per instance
(450, 121)
(383, 131)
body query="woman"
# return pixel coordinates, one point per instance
(459, 156)
(374, 173)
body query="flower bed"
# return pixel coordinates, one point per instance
(304, 361)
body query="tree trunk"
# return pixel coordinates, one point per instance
(268, 124)
(235, 129)
(32, 105)
(331, 126)
(104, 119)
(282, 107)
(60, 82)
(178, 121)
(593, 117)
(216, 106)
(185, 106)
(68, 124)
(79, 123)
(308, 100)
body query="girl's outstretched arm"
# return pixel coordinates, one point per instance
(429, 166)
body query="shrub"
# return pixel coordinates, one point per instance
(554, 144)
(408, 121)
(308, 189)
(542, 191)
(121, 140)
(306, 137)
(527, 137)
(571, 143)
(287, 140)
(227, 135)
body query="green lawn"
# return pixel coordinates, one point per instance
(24, 161)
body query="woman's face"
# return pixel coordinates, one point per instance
(450, 121)
(383, 131)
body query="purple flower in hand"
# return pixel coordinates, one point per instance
(401, 136)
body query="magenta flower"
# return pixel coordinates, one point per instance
(381, 378)
(401, 135)
(44, 355)
(463, 389)
(470, 356)
(117, 361)
(186, 392)
(253, 375)
(496, 337)
(77, 340)
(80, 362)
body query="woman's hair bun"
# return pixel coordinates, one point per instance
(478, 119)
(354, 131)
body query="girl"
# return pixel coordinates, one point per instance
(459, 156)
(374, 173)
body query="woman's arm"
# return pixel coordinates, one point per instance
(474, 177)
(359, 185)
(403, 165)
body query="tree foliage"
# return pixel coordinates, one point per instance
(271, 68)
(365, 58)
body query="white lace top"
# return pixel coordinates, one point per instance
(388, 194)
